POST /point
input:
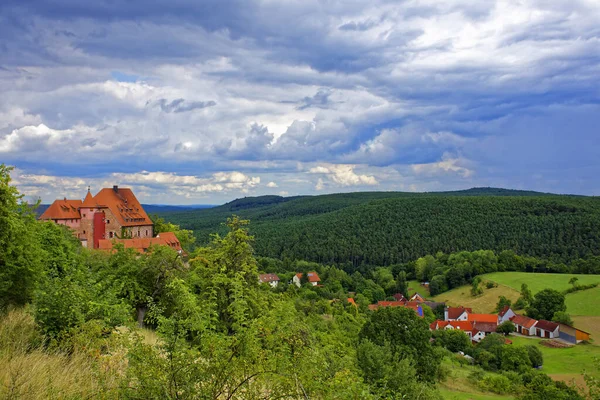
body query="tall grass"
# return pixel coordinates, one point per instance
(28, 370)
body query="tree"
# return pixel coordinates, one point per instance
(503, 302)
(562, 318)
(535, 355)
(21, 266)
(437, 285)
(573, 281)
(546, 303)
(506, 328)
(452, 339)
(475, 289)
(401, 284)
(407, 336)
(526, 294)
(186, 237)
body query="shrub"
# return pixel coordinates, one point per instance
(490, 284)
(496, 383)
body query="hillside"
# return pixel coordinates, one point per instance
(383, 228)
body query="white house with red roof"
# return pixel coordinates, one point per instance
(312, 278)
(505, 314)
(457, 313)
(271, 279)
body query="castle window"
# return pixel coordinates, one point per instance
(84, 232)
(110, 234)
(108, 221)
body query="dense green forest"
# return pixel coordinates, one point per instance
(386, 228)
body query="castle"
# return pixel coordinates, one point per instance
(112, 213)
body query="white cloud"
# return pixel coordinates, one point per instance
(272, 184)
(343, 174)
(448, 165)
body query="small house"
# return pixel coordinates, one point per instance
(417, 297)
(547, 329)
(505, 314)
(571, 334)
(456, 313)
(524, 325)
(271, 279)
(312, 277)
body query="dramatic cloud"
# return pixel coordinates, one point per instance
(379, 95)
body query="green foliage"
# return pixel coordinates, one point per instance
(454, 340)
(357, 230)
(562, 317)
(502, 302)
(546, 303)
(476, 290)
(185, 236)
(21, 266)
(405, 335)
(496, 383)
(535, 355)
(506, 328)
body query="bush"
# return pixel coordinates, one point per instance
(535, 355)
(491, 285)
(496, 383)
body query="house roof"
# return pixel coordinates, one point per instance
(572, 327)
(123, 204)
(89, 200)
(311, 276)
(485, 326)
(483, 318)
(417, 295)
(63, 209)
(351, 301)
(141, 245)
(455, 312)
(504, 310)
(462, 325)
(547, 325)
(523, 321)
(399, 297)
(267, 278)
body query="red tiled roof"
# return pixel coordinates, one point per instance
(485, 326)
(399, 297)
(503, 311)
(141, 245)
(267, 278)
(546, 325)
(88, 201)
(63, 209)
(351, 301)
(461, 325)
(483, 318)
(311, 276)
(373, 307)
(391, 304)
(455, 312)
(124, 205)
(523, 321)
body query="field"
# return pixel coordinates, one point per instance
(537, 282)
(484, 303)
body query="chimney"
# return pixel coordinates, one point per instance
(116, 188)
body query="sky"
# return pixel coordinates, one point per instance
(202, 102)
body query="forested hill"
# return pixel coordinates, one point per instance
(383, 228)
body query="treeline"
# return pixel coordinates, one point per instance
(374, 229)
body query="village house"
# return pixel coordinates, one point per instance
(271, 279)
(571, 334)
(142, 245)
(399, 297)
(111, 213)
(547, 329)
(524, 325)
(312, 278)
(457, 313)
(488, 318)
(417, 297)
(505, 314)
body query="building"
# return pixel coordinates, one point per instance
(547, 329)
(505, 314)
(490, 318)
(141, 245)
(399, 297)
(524, 325)
(271, 279)
(457, 313)
(312, 278)
(111, 213)
(417, 297)
(571, 334)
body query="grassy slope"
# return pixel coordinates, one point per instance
(537, 282)
(458, 387)
(565, 364)
(485, 303)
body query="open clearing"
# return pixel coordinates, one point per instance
(566, 361)
(484, 303)
(589, 324)
(539, 281)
